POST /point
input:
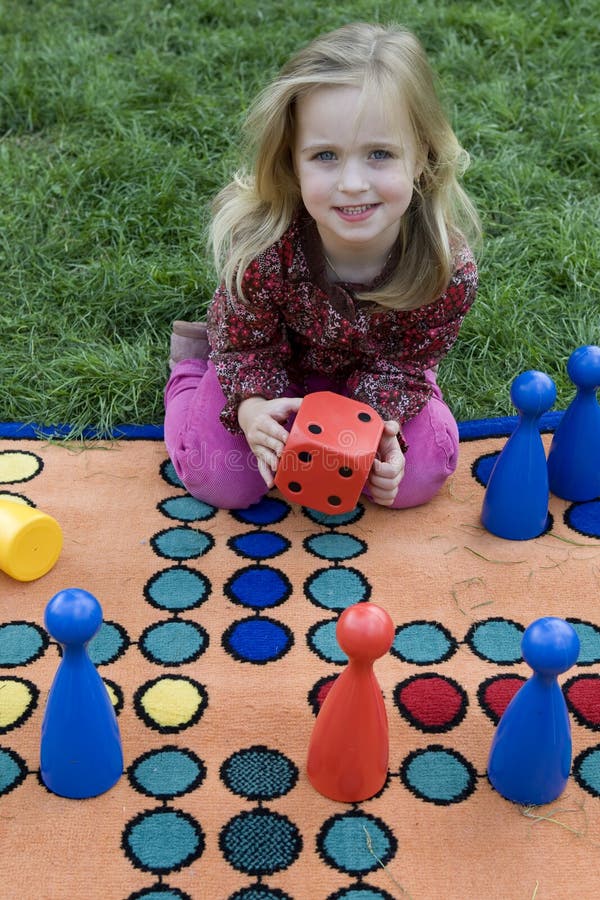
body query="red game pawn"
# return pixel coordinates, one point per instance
(349, 747)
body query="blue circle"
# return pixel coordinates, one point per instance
(337, 587)
(12, 770)
(584, 518)
(186, 509)
(364, 892)
(258, 773)
(268, 511)
(259, 544)
(334, 546)
(173, 642)
(182, 543)
(159, 892)
(322, 640)
(260, 842)
(482, 467)
(167, 470)
(589, 640)
(258, 587)
(21, 643)
(423, 643)
(496, 640)
(343, 843)
(257, 640)
(166, 773)
(438, 775)
(586, 768)
(177, 588)
(335, 519)
(108, 644)
(163, 840)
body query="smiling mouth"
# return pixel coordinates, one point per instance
(356, 210)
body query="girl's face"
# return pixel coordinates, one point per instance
(356, 172)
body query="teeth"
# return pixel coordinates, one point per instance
(355, 210)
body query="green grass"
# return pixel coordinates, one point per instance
(119, 121)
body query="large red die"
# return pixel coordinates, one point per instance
(329, 452)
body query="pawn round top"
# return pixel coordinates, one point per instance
(365, 631)
(533, 392)
(550, 646)
(583, 366)
(73, 616)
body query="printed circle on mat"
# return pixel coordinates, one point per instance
(342, 842)
(322, 640)
(260, 842)
(170, 703)
(108, 644)
(16, 498)
(432, 703)
(181, 542)
(19, 699)
(586, 770)
(257, 640)
(19, 465)
(258, 587)
(360, 892)
(13, 770)
(177, 588)
(319, 691)
(186, 509)
(584, 518)
(258, 773)
(167, 773)
(438, 775)
(337, 587)
(423, 643)
(159, 892)
(168, 473)
(589, 640)
(582, 694)
(173, 642)
(162, 840)
(260, 892)
(21, 643)
(258, 544)
(115, 694)
(268, 511)
(496, 640)
(335, 519)
(334, 546)
(495, 693)
(481, 468)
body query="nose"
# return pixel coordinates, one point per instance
(353, 178)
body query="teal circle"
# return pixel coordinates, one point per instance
(108, 644)
(260, 842)
(439, 775)
(177, 588)
(21, 643)
(186, 509)
(337, 588)
(167, 773)
(323, 641)
(259, 892)
(496, 640)
(422, 643)
(173, 642)
(160, 893)
(167, 470)
(335, 519)
(12, 770)
(362, 893)
(182, 542)
(589, 640)
(587, 770)
(342, 842)
(334, 546)
(258, 773)
(163, 840)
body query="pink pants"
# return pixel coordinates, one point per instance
(219, 468)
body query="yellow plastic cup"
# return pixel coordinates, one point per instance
(30, 540)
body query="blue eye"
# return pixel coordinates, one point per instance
(325, 155)
(381, 154)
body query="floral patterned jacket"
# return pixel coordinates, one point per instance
(295, 322)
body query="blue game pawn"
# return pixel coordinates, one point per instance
(574, 458)
(80, 753)
(515, 505)
(530, 757)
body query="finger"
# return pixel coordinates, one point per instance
(266, 472)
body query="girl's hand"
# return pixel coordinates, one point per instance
(387, 470)
(261, 421)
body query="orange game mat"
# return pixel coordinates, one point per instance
(217, 647)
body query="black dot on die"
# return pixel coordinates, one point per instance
(315, 429)
(295, 487)
(364, 417)
(345, 471)
(333, 500)
(304, 456)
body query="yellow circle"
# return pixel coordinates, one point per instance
(112, 695)
(15, 700)
(18, 466)
(14, 498)
(172, 702)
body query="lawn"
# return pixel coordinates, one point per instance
(119, 120)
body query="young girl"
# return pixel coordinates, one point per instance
(344, 266)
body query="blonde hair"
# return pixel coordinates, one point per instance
(256, 208)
